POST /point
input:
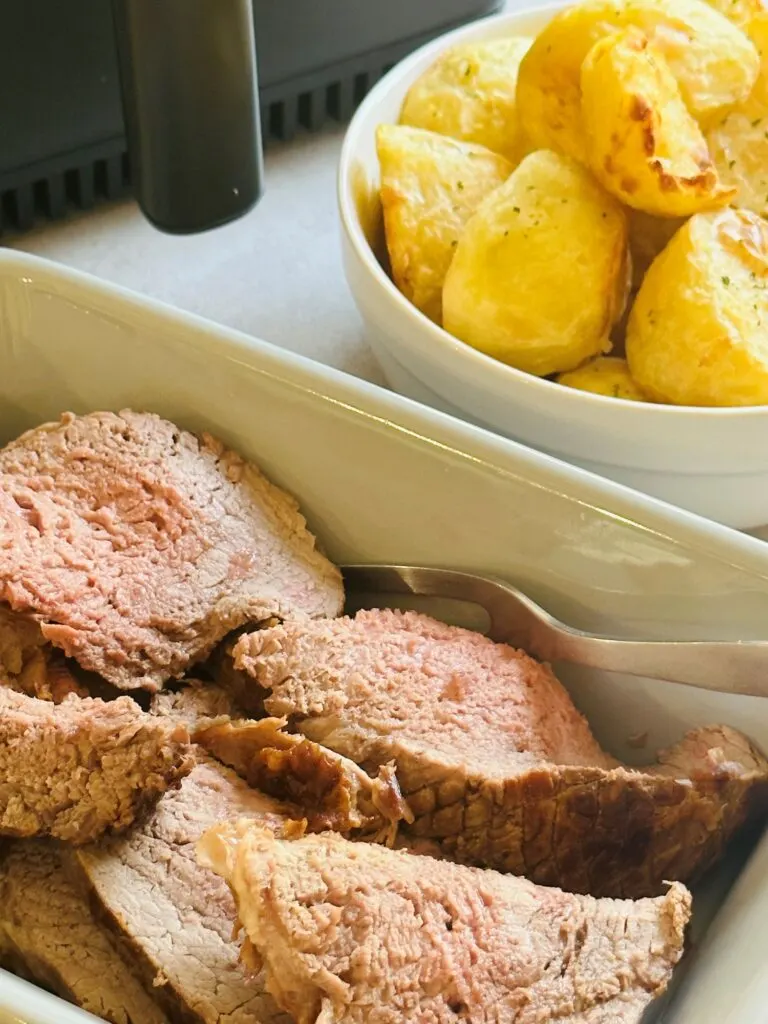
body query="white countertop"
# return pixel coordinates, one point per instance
(275, 274)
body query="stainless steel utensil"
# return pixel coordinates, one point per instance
(727, 666)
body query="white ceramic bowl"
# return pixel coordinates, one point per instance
(711, 461)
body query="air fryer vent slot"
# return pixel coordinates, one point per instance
(52, 197)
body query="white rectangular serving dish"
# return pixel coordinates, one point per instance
(383, 479)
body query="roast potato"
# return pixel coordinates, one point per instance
(698, 330)
(469, 94)
(430, 185)
(541, 270)
(713, 61)
(605, 375)
(647, 237)
(642, 144)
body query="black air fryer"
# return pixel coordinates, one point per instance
(162, 96)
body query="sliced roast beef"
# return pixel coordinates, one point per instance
(138, 546)
(493, 759)
(83, 767)
(351, 933)
(49, 935)
(174, 916)
(333, 791)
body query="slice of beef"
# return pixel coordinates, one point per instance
(29, 664)
(333, 791)
(408, 674)
(49, 935)
(351, 933)
(174, 916)
(83, 767)
(493, 759)
(138, 546)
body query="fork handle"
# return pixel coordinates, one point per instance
(739, 666)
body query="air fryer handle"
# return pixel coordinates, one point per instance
(190, 97)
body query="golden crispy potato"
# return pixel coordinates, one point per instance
(605, 375)
(713, 61)
(647, 237)
(540, 272)
(698, 331)
(430, 186)
(469, 94)
(642, 144)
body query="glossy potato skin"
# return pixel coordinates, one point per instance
(430, 186)
(642, 143)
(605, 375)
(713, 61)
(540, 273)
(698, 330)
(469, 93)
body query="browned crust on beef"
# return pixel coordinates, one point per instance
(332, 791)
(172, 918)
(345, 927)
(48, 936)
(83, 768)
(138, 546)
(621, 833)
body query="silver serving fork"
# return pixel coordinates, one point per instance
(727, 666)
